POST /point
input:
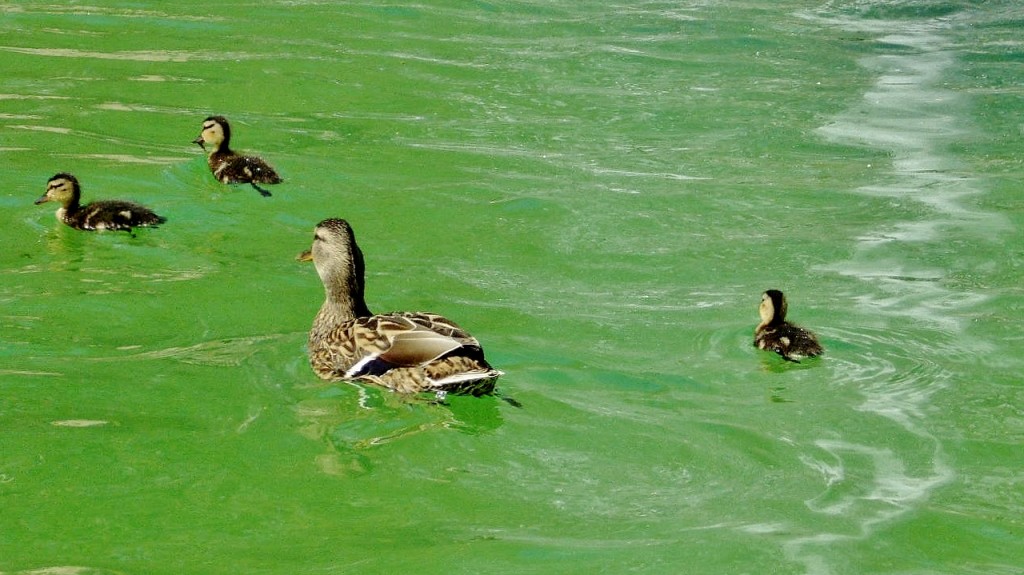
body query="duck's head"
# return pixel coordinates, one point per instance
(338, 260)
(773, 307)
(216, 132)
(62, 188)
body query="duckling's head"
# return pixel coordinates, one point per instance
(773, 307)
(216, 132)
(62, 188)
(338, 260)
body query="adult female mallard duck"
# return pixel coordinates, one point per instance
(403, 351)
(230, 167)
(102, 215)
(776, 334)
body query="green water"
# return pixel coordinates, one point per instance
(598, 191)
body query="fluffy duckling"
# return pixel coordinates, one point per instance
(102, 215)
(406, 352)
(228, 166)
(776, 334)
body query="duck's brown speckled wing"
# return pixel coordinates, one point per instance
(790, 341)
(113, 215)
(235, 169)
(407, 352)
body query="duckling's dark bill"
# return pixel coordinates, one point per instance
(199, 141)
(306, 256)
(42, 200)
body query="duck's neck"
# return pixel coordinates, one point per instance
(774, 321)
(220, 149)
(73, 204)
(336, 310)
(345, 300)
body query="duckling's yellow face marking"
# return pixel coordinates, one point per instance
(767, 308)
(58, 190)
(213, 134)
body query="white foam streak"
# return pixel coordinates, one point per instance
(908, 113)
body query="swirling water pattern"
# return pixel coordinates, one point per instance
(909, 114)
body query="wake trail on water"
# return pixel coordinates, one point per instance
(909, 114)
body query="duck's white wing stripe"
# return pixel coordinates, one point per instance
(407, 349)
(355, 370)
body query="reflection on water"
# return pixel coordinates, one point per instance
(352, 419)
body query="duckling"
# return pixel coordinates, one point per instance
(407, 352)
(102, 215)
(228, 166)
(776, 334)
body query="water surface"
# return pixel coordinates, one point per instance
(600, 192)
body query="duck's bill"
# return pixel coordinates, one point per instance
(306, 256)
(42, 199)
(199, 141)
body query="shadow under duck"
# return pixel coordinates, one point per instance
(228, 166)
(776, 334)
(100, 215)
(406, 352)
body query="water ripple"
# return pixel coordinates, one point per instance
(176, 56)
(869, 479)
(231, 352)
